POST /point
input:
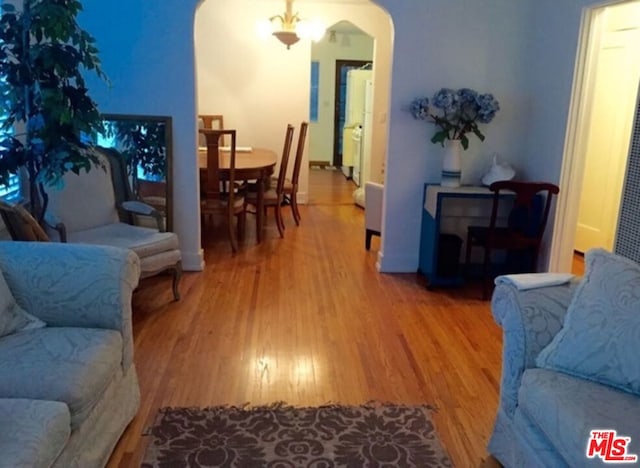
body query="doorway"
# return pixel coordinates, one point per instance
(608, 121)
(340, 104)
(600, 127)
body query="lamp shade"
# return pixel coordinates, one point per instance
(288, 38)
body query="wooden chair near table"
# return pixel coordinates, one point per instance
(218, 197)
(291, 185)
(523, 232)
(210, 122)
(274, 196)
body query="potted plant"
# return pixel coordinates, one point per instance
(143, 145)
(455, 113)
(43, 54)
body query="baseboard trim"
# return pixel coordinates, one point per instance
(397, 264)
(319, 163)
(193, 261)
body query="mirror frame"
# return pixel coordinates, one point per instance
(168, 123)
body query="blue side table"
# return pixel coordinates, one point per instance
(449, 210)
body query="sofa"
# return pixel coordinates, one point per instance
(68, 385)
(570, 366)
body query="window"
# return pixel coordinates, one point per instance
(12, 191)
(315, 85)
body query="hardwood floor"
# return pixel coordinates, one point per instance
(577, 265)
(308, 320)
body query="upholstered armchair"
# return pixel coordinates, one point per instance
(373, 199)
(98, 207)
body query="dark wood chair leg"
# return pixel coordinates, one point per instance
(467, 260)
(232, 235)
(241, 224)
(177, 274)
(367, 239)
(294, 208)
(486, 274)
(279, 221)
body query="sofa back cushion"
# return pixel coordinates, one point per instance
(12, 317)
(600, 338)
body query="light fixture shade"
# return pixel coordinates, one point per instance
(292, 27)
(288, 38)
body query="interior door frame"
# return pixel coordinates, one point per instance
(573, 162)
(337, 151)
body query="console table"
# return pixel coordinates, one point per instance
(449, 210)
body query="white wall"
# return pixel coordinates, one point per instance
(146, 49)
(523, 51)
(325, 52)
(445, 43)
(256, 83)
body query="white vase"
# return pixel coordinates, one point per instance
(452, 164)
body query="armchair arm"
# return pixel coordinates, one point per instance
(529, 320)
(56, 224)
(141, 208)
(74, 285)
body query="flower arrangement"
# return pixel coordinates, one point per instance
(456, 113)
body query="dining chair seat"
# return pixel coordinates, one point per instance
(223, 203)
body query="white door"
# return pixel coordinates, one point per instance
(615, 87)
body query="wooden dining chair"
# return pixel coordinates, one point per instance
(523, 231)
(218, 196)
(210, 122)
(291, 185)
(274, 196)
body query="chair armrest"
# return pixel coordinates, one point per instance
(141, 208)
(74, 285)
(52, 221)
(529, 320)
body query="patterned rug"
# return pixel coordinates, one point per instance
(282, 436)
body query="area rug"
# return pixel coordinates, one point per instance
(282, 436)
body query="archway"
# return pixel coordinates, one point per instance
(260, 86)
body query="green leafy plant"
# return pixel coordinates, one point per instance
(43, 54)
(142, 143)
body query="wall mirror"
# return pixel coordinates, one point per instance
(145, 142)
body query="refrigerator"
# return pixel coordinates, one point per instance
(356, 110)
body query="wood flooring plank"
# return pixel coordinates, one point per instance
(308, 320)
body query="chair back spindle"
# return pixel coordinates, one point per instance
(284, 161)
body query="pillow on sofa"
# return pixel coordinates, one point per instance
(601, 332)
(12, 317)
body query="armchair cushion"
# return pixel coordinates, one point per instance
(39, 431)
(567, 408)
(143, 241)
(12, 317)
(599, 339)
(72, 365)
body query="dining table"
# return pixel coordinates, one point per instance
(251, 164)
